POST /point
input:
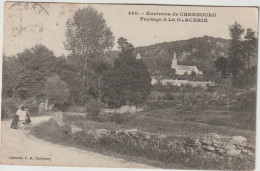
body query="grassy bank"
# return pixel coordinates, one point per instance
(163, 138)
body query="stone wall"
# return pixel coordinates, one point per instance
(211, 145)
(208, 151)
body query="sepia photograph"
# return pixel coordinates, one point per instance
(129, 86)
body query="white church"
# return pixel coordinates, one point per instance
(182, 69)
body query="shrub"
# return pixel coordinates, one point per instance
(169, 96)
(56, 90)
(93, 108)
(62, 107)
(155, 105)
(247, 102)
(9, 107)
(33, 108)
(77, 109)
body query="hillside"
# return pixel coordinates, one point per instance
(201, 51)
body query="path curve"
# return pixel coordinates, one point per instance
(21, 143)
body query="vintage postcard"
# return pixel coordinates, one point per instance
(129, 86)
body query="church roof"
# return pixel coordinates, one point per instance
(193, 67)
(186, 68)
(183, 67)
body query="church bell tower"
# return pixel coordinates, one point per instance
(174, 61)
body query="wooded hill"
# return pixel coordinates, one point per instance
(200, 51)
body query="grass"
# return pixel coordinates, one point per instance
(178, 121)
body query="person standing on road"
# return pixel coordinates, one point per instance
(22, 116)
(28, 120)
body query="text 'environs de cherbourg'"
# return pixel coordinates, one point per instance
(173, 17)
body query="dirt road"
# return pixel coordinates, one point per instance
(19, 147)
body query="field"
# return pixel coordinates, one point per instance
(172, 137)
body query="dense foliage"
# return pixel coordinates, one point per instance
(91, 72)
(24, 76)
(200, 52)
(88, 37)
(56, 90)
(240, 52)
(128, 82)
(82, 77)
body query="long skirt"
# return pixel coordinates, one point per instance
(15, 122)
(28, 120)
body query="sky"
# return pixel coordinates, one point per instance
(27, 24)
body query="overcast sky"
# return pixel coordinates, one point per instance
(26, 25)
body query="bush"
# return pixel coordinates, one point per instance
(56, 90)
(155, 105)
(120, 118)
(77, 109)
(33, 108)
(247, 102)
(62, 107)
(93, 108)
(9, 107)
(169, 96)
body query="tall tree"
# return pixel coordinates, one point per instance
(35, 65)
(71, 78)
(235, 52)
(129, 81)
(250, 45)
(11, 71)
(56, 90)
(221, 65)
(88, 36)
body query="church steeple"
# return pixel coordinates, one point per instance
(174, 61)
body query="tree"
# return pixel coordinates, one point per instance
(69, 76)
(11, 71)
(26, 73)
(235, 52)
(250, 45)
(129, 81)
(239, 53)
(56, 90)
(221, 65)
(88, 37)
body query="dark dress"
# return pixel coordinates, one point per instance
(15, 122)
(28, 120)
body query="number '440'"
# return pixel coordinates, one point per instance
(133, 13)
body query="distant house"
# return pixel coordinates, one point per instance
(154, 80)
(138, 56)
(182, 69)
(185, 82)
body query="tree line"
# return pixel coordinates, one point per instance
(84, 74)
(241, 50)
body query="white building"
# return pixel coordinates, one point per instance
(138, 56)
(154, 80)
(185, 82)
(182, 69)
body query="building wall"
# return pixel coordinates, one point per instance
(185, 82)
(182, 72)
